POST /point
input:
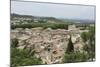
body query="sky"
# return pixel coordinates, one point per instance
(53, 10)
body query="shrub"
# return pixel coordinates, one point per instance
(75, 57)
(85, 36)
(90, 38)
(14, 43)
(22, 58)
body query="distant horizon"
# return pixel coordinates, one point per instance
(55, 17)
(53, 10)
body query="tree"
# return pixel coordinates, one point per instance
(70, 47)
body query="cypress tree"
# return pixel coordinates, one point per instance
(70, 47)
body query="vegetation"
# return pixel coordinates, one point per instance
(44, 25)
(89, 49)
(72, 56)
(70, 47)
(85, 36)
(75, 57)
(26, 57)
(14, 43)
(21, 57)
(89, 39)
